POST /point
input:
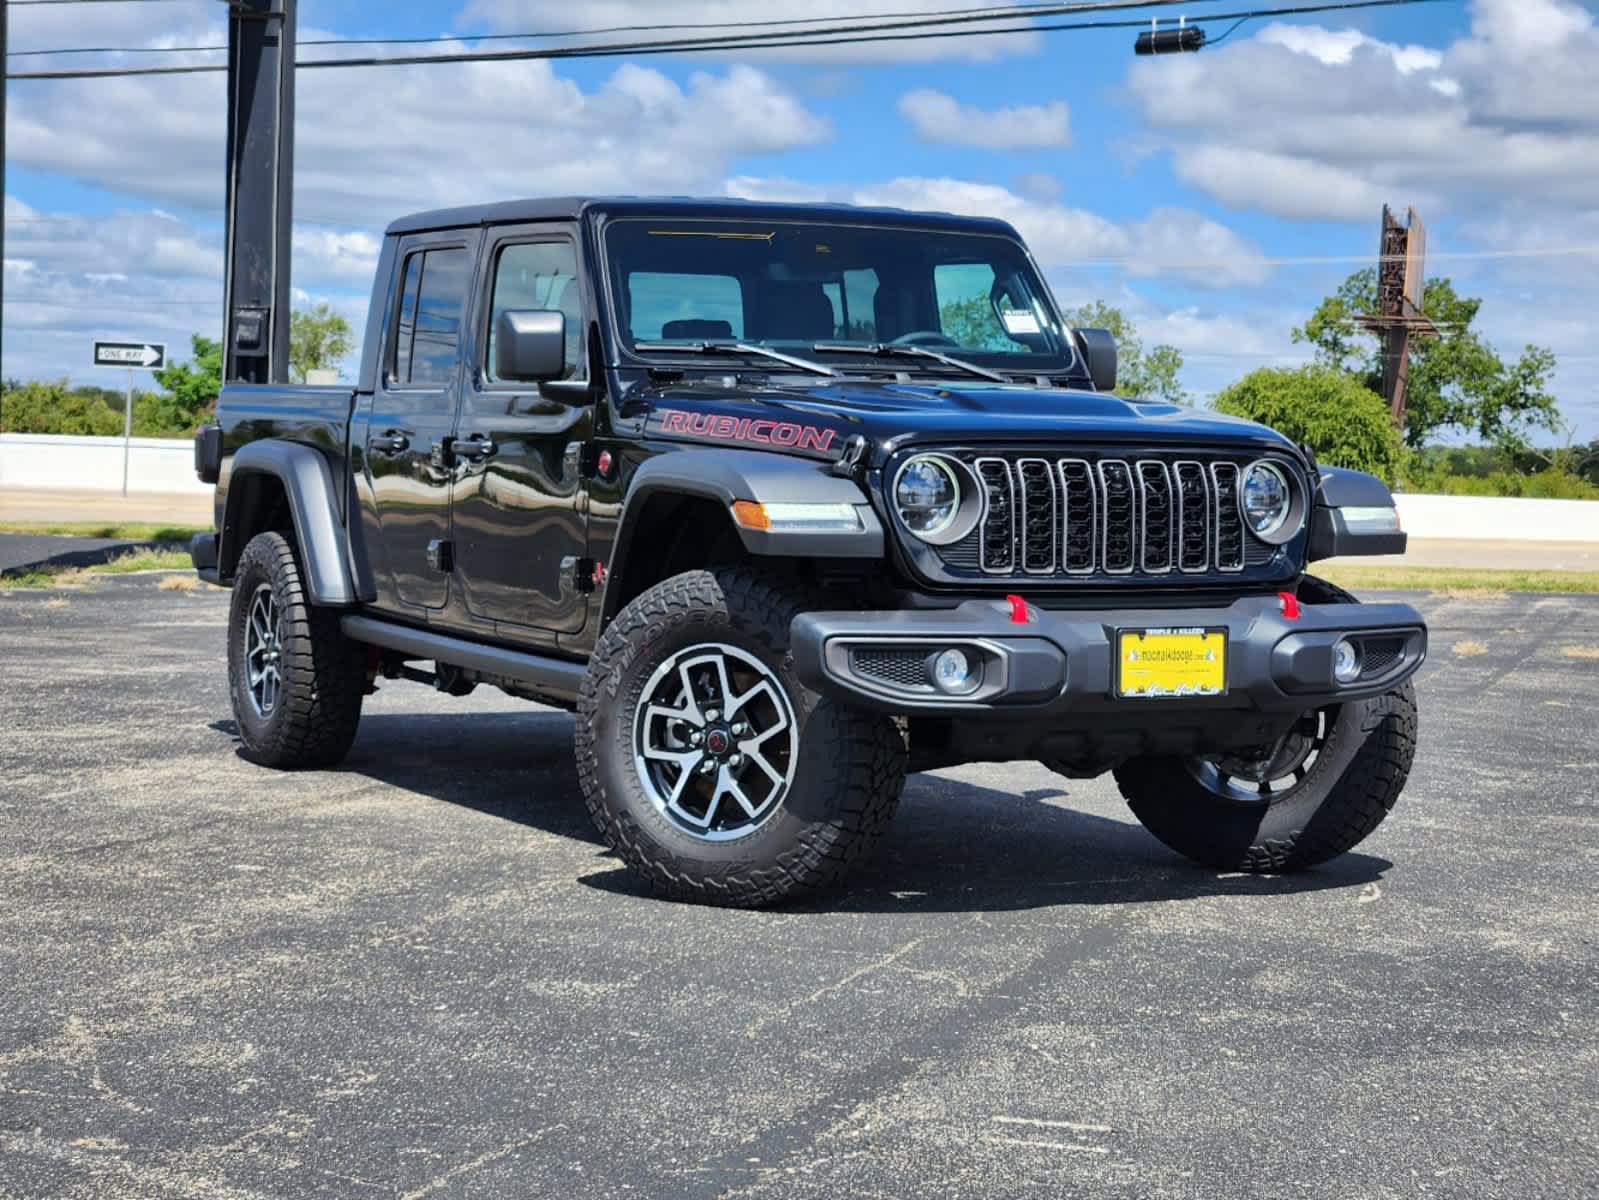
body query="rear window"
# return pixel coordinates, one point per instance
(429, 327)
(695, 307)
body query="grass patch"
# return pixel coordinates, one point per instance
(1459, 581)
(135, 560)
(1590, 653)
(133, 531)
(1470, 649)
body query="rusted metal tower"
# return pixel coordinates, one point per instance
(1401, 291)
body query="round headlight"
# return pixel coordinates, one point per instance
(1265, 499)
(927, 496)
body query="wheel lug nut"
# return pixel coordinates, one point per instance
(695, 738)
(735, 760)
(713, 715)
(707, 766)
(740, 729)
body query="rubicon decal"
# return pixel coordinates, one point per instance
(760, 431)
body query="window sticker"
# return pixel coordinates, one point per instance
(1019, 321)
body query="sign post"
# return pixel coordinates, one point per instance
(151, 356)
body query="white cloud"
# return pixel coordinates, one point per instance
(1307, 122)
(1283, 184)
(653, 20)
(72, 277)
(372, 145)
(1169, 241)
(938, 117)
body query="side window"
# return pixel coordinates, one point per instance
(429, 326)
(982, 311)
(400, 368)
(537, 275)
(965, 310)
(860, 300)
(691, 307)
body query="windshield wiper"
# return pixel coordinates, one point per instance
(891, 350)
(804, 364)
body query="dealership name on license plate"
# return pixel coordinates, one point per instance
(1156, 664)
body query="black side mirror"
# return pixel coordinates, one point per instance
(1099, 353)
(530, 345)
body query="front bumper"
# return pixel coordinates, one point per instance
(1057, 662)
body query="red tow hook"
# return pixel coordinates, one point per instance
(1290, 603)
(1018, 610)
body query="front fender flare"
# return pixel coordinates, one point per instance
(313, 498)
(724, 476)
(1340, 495)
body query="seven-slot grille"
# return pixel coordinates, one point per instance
(1107, 517)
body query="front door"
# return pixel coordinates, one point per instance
(519, 513)
(413, 415)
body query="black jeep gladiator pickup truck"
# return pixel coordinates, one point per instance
(784, 501)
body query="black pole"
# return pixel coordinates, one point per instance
(260, 190)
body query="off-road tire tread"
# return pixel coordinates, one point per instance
(868, 766)
(1157, 789)
(324, 672)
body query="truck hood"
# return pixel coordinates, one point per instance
(818, 420)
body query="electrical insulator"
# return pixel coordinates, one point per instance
(1183, 40)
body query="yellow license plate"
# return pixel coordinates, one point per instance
(1169, 664)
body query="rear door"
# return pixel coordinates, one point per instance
(519, 514)
(413, 417)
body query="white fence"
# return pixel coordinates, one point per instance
(32, 460)
(162, 465)
(1496, 518)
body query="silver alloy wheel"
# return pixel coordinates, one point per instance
(715, 741)
(1276, 776)
(263, 651)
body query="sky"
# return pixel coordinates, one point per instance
(1215, 197)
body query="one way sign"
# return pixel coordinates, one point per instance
(149, 355)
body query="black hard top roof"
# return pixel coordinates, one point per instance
(551, 208)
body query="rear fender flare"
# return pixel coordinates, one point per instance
(307, 480)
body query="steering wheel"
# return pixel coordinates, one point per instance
(924, 337)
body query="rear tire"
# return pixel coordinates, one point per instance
(697, 670)
(297, 682)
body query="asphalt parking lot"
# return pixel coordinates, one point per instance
(421, 976)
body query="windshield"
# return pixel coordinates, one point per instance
(793, 286)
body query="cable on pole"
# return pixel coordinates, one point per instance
(868, 34)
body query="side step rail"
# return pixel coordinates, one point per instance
(555, 676)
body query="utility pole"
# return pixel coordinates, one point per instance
(260, 191)
(1401, 290)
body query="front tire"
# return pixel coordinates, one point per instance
(1326, 788)
(297, 682)
(707, 766)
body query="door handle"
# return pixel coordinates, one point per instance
(392, 442)
(474, 449)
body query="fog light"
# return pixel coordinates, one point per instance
(952, 671)
(1346, 661)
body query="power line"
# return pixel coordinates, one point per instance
(29, 3)
(820, 26)
(733, 42)
(902, 19)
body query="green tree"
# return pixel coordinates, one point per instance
(54, 407)
(1345, 422)
(1457, 383)
(972, 323)
(319, 339)
(1152, 374)
(189, 393)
